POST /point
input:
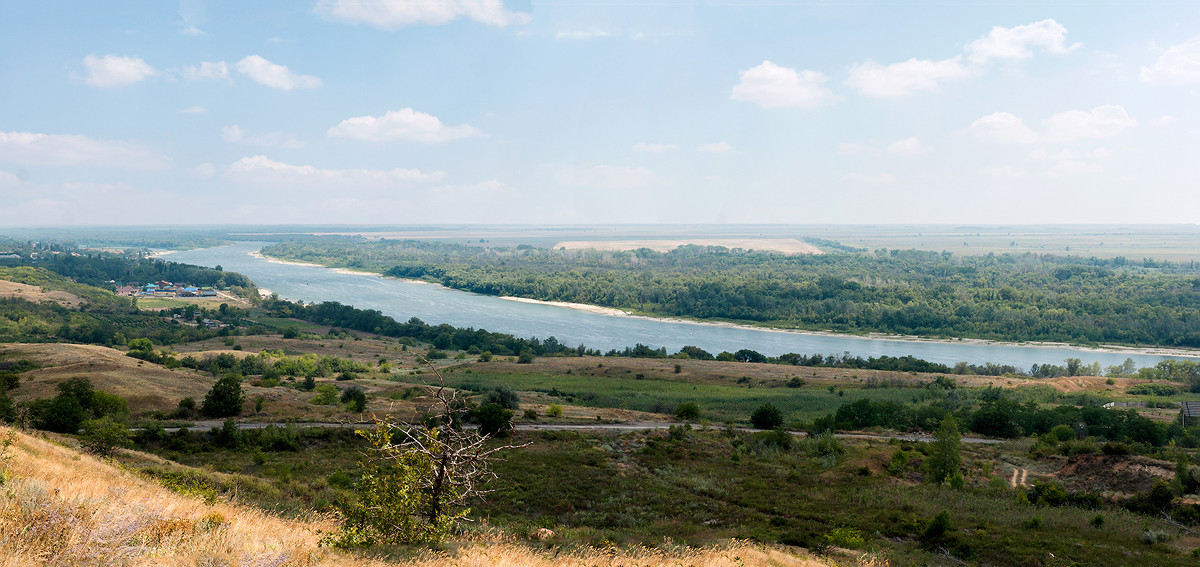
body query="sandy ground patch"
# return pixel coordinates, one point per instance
(785, 245)
(37, 294)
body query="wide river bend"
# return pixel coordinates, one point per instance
(436, 304)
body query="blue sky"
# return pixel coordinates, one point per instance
(473, 111)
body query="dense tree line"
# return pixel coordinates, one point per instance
(99, 268)
(1009, 297)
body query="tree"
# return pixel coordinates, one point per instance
(945, 460)
(767, 416)
(104, 436)
(356, 397)
(494, 420)
(225, 398)
(687, 411)
(416, 480)
(503, 396)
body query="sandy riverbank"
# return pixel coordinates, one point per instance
(614, 312)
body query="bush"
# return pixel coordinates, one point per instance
(104, 436)
(554, 410)
(327, 394)
(937, 528)
(795, 382)
(63, 414)
(225, 398)
(526, 357)
(1152, 390)
(531, 414)
(767, 416)
(504, 397)
(494, 420)
(687, 411)
(1063, 433)
(356, 397)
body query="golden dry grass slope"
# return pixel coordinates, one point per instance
(145, 385)
(61, 507)
(37, 294)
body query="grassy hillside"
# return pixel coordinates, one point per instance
(60, 506)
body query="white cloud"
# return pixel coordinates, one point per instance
(213, 70)
(116, 71)
(235, 134)
(1101, 123)
(275, 76)
(908, 147)
(775, 86)
(393, 14)
(194, 110)
(904, 78)
(1014, 42)
(1179, 65)
(261, 170)
(202, 171)
(192, 31)
(877, 179)
(232, 133)
(70, 149)
(1072, 168)
(405, 123)
(1165, 120)
(653, 148)
(716, 148)
(580, 35)
(1002, 127)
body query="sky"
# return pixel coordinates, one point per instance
(584, 112)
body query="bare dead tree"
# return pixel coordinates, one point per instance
(428, 471)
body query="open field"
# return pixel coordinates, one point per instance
(37, 294)
(785, 245)
(1178, 243)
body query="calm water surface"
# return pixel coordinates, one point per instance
(435, 304)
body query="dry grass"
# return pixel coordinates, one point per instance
(61, 507)
(37, 294)
(738, 553)
(145, 385)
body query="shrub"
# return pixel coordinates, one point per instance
(327, 394)
(1097, 521)
(937, 528)
(186, 408)
(485, 356)
(531, 414)
(767, 416)
(526, 357)
(1034, 523)
(1063, 433)
(494, 420)
(104, 436)
(849, 538)
(687, 411)
(63, 414)
(356, 397)
(554, 410)
(225, 398)
(1152, 390)
(504, 397)
(795, 382)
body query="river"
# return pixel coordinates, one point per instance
(436, 304)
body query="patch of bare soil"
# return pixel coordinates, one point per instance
(1113, 473)
(36, 294)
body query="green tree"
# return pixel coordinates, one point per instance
(225, 398)
(767, 416)
(356, 397)
(494, 420)
(945, 459)
(105, 435)
(687, 411)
